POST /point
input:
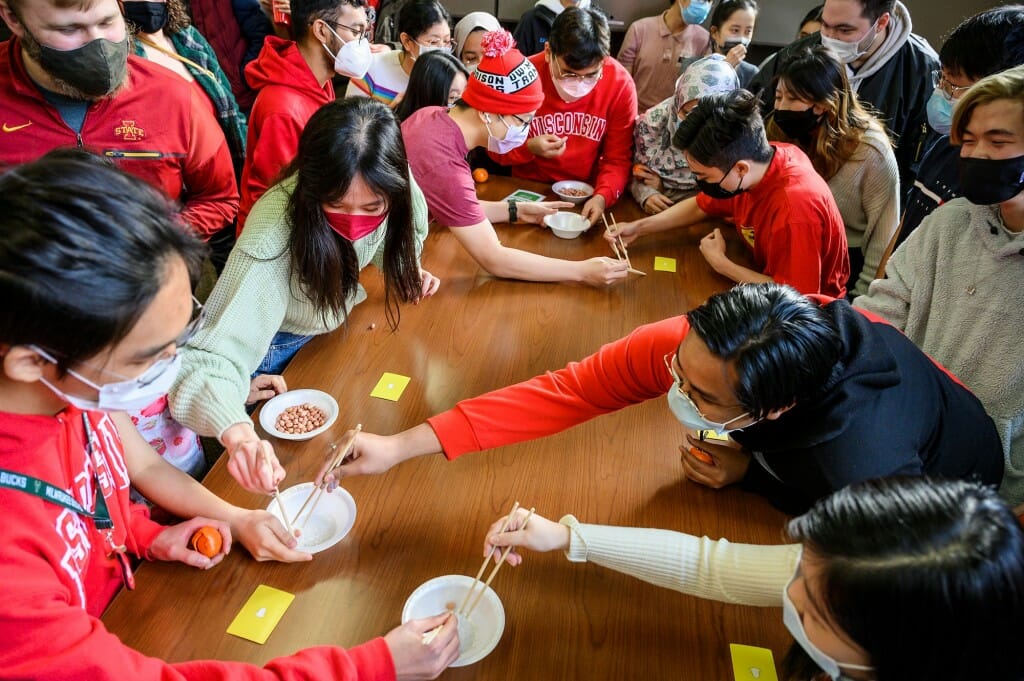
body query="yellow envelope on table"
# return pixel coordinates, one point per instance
(390, 387)
(260, 614)
(750, 663)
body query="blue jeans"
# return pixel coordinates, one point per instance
(283, 347)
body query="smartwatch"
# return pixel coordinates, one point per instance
(513, 212)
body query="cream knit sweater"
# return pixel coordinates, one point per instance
(866, 190)
(256, 296)
(746, 574)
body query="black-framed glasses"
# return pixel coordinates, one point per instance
(951, 91)
(359, 33)
(522, 124)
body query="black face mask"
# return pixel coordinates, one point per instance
(715, 190)
(148, 17)
(797, 125)
(730, 43)
(987, 181)
(96, 68)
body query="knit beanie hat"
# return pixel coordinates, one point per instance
(505, 82)
(708, 76)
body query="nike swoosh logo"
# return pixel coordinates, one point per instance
(15, 128)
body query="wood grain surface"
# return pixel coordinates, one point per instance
(427, 517)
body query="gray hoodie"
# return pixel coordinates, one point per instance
(956, 288)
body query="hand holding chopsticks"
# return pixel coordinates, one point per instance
(340, 452)
(469, 603)
(618, 245)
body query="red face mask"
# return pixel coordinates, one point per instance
(353, 227)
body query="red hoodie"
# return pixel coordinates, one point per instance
(57, 578)
(599, 128)
(157, 128)
(289, 94)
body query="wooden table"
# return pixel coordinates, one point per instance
(427, 517)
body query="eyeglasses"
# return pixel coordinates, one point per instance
(685, 395)
(359, 33)
(951, 91)
(438, 44)
(195, 323)
(522, 124)
(570, 77)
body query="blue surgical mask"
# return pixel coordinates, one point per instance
(696, 12)
(940, 112)
(791, 618)
(128, 395)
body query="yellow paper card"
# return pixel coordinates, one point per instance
(664, 264)
(713, 435)
(750, 663)
(260, 614)
(390, 387)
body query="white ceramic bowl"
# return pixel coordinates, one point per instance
(566, 225)
(293, 398)
(334, 514)
(576, 187)
(479, 634)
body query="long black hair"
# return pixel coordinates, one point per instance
(926, 576)
(430, 81)
(84, 249)
(343, 139)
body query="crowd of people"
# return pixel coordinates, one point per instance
(862, 374)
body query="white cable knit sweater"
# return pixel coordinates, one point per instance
(746, 574)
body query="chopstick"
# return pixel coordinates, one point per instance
(277, 493)
(621, 244)
(335, 462)
(429, 636)
(494, 572)
(483, 566)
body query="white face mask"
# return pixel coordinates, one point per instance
(791, 618)
(515, 136)
(127, 395)
(353, 59)
(846, 52)
(574, 90)
(686, 413)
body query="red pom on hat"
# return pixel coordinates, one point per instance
(497, 43)
(505, 82)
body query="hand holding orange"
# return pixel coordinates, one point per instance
(207, 541)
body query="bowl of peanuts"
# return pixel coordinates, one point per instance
(299, 414)
(573, 191)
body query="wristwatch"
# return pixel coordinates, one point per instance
(513, 212)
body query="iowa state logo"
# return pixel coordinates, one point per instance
(129, 132)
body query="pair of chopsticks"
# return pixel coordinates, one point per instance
(277, 492)
(318, 490)
(462, 609)
(621, 245)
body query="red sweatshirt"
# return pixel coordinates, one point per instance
(599, 128)
(157, 128)
(57, 578)
(886, 409)
(792, 223)
(289, 95)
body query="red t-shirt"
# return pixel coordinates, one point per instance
(437, 156)
(792, 223)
